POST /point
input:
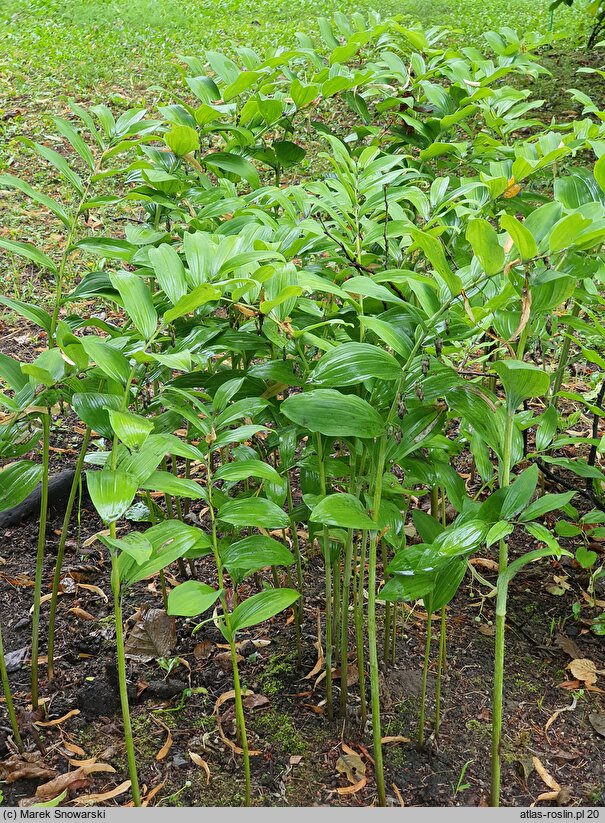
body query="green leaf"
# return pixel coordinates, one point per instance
(484, 242)
(351, 363)
(578, 467)
(586, 557)
(566, 231)
(459, 539)
(137, 301)
(202, 294)
(132, 429)
(243, 469)
(111, 492)
(107, 247)
(433, 250)
(599, 173)
(56, 208)
(498, 532)
(254, 511)
(135, 545)
(342, 510)
(59, 162)
(546, 503)
(410, 586)
(261, 607)
(301, 94)
(92, 409)
(191, 598)
(393, 336)
(253, 553)
(167, 483)
(520, 493)
(447, 582)
(17, 481)
(234, 164)
(32, 313)
(109, 360)
(182, 140)
(334, 414)
(169, 271)
(521, 236)
(521, 381)
(30, 252)
(65, 128)
(170, 540)
(547, 428)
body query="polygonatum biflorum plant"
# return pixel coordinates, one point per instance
(302, 346)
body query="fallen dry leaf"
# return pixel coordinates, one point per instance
(145, 801)
(199, 761)
(547, 778)
(28, 766)
(568, 646)
(95, 799)
(167, 745)
(81, 613)
(398, 794)
(353, 789)
(554, 716)
(597, 721)
(582, 668)
(394, 739)
(57, 722)
(295, 759)
(351, 766)
(64, 782)
(89, 587)
(223, 659)
(153, 636)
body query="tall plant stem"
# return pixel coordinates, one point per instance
(386, 644)
(61, 552)
(122, 683)
(440, 668)
(10, 708)
(328, 587)
(563, 361)
(239, 709)
(240, 718)
(425, 669)
(298, 609)
(40, 555)
(69, 240)
(497, 697)
(359, 635)
(372, 633)
(344, 624)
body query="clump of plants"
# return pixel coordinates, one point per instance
(302, 346)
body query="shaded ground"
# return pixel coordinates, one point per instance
(298, 747)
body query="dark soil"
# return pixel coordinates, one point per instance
(298, 746)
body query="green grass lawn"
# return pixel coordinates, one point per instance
(93, 49)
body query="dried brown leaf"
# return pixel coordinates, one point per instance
(57, 722)
(584, 669)
(199, 761)
(547, 778)
(153, 636)
(28, 766)
(95, 799)
(70, 780)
